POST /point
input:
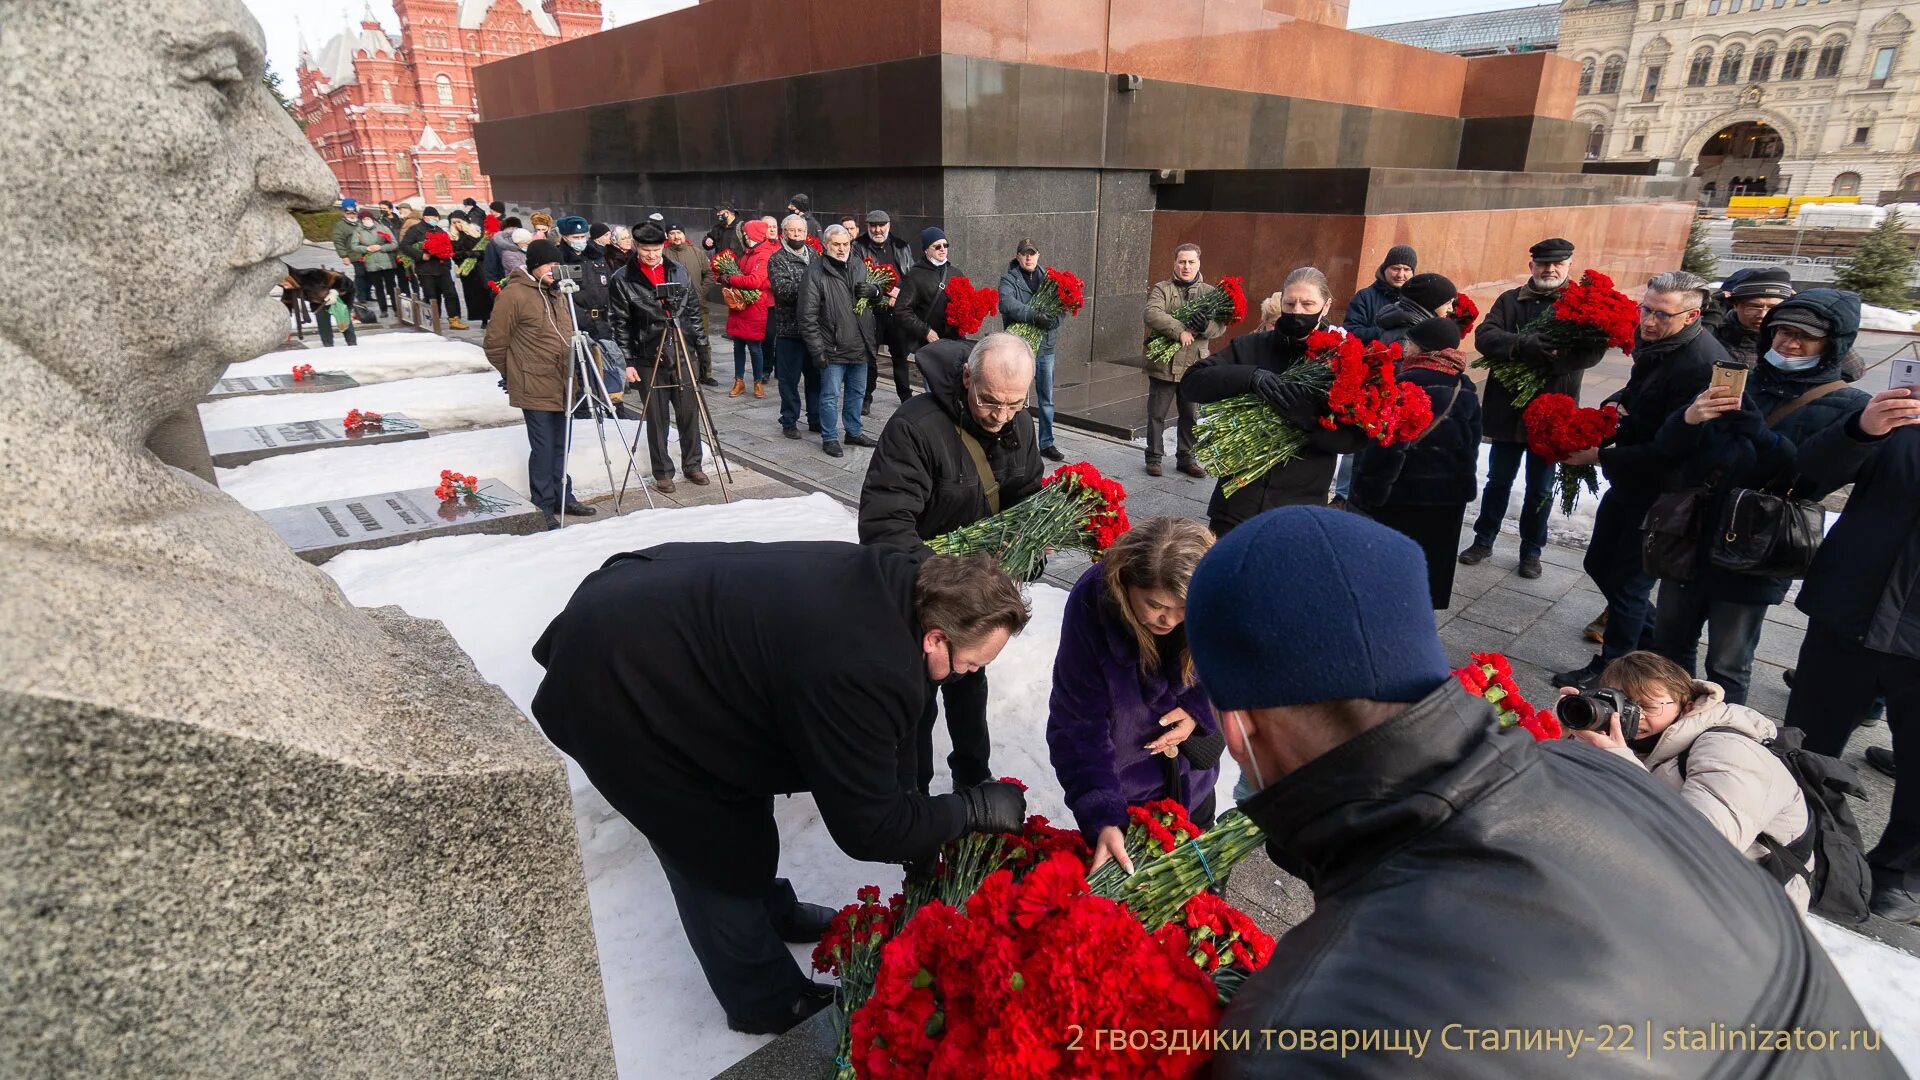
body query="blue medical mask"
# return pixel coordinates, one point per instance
(578, 245)
(1790, 364)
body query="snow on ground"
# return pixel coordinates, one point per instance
(443, 403)
(665, 1022)
(1567, 531)
(497, 452)
(378, 358)
(1879, 318)
(1884, 980)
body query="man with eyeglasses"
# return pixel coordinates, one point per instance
(962, 451)
(920, 311)
(1673, 360)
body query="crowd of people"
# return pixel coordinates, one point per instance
(1175, 647)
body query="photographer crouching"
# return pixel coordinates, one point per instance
(1651, 712)
(526, 342)
(647, 297)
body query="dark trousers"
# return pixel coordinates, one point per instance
(1437, 530)
(1163, 402)
(1733, 633)
(547, 459)
(479, 298)
(900, 351)
(1503, 461)
(382, 288)
(966, 701)
(1834, 688)
(323, 322)
(672, 396)
(799, 383)
(362, 283)
(440, 287)
(737, 942)
(1615, 564)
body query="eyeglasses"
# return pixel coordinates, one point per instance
(998, 408)
(1655, 313)
(941, 244)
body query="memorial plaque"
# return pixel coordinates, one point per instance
(319, 531)
(278, 384)
(238, 446)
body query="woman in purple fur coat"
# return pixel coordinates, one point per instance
(1127, 722)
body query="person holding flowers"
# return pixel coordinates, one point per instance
(1252, 365)
(1422, 488)
(1502, 337)
(1023, 279)
(1673, 360)
(1423, 297)
(1432, 838)
(960, 452)
(1163, 376)
(1128, 723)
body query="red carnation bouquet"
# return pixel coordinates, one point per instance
(1225, 305)
(368, 423)
(1243, 437)
(437, 245)
(1217, 936)
(1075, 508)
(968, 307)
(1490, 676)
(1465, 313)
(881, 276)
(1557, 428)
(725, 266)
(1173, 859)
(814, 243)
(303, 372)
(1060, 295)
(1590, 316)
(465, 491)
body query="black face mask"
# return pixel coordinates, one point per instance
(794, 245)
(954, 674)
(1296, 325)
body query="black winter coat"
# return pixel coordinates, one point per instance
(785, 270)
(896, 252)
(639, 320)
(412, 245)
(923, 303)
(1865, 582)
(1440, 469)
(1720, 456)
(1666, 376)
(833, 331)
(922, 482)
(1364, 310)
(1459, 878)
(693, 684)
(1498, 337)
(1396, 320)
(1771, 387)
(1303, 481)
(1741, 343)
(595, 288)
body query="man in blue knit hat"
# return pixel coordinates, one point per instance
(1468, 881)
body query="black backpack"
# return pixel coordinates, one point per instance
(1840, 883)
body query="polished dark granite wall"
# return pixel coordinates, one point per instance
(1373, 191)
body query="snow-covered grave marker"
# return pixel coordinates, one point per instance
(278, 384)
(319, 531)
(237, 446)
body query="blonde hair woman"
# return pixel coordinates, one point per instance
(1128, 722)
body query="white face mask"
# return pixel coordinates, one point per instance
(577, 245)
(937, 260)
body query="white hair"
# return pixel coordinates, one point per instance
(1679, 281)
(993, 345)
(834, 232)
(521, 237)
(790, 219)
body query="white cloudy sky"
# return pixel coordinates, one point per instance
(323, 18)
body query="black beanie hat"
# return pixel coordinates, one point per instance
(600, 229)
(540, 253)
(1429, 290)
(1432, 335)
(801, 203)
(1400, 255)
(499, 208)
(648, 233)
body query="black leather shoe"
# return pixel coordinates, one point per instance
(1475, 554)
(811, 1000)
(1529, 566)
(862, 440)
(1583, 678)
(1895, 904)
(833, 449)
(575, 509)
(790, 432)
(708, 380)
(1881, 759)
(805, 924)
(1052, 453)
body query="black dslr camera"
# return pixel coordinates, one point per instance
(1590, 710)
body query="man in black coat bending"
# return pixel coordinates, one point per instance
(962, 451)
(692, 684)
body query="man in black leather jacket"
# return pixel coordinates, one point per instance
(640, 318)
(1470, 885)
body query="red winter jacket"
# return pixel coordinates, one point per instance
(750, 324)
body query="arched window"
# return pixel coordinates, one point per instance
(386, 92)
(1730, 65)
(1847, 183)
(1586, 76)
(1610, 73)
(440, 188)
(1832, 54)
(1762, 68)
(1700, 68)
(1911, 182)
(443, 86)
(1794, 64)
(466, 173)
(1596, 141)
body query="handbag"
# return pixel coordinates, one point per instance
(1670, 542)
(735, 299)
(1769, 535)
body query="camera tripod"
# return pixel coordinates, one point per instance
(684, 377)
(582, 367)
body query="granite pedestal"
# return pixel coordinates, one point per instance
(279, 384)
(233, 447)
(318, 531)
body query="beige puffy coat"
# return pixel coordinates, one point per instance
(1736, 783)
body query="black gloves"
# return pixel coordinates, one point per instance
(820, 362)
(1287, 399)
(1196, 326)
(1531, 348)
(995, 806)
(1741, 422)
(1045, 321)
(866, 290)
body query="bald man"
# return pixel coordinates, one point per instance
(962, 451)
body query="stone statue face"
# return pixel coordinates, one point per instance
(163, 144)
